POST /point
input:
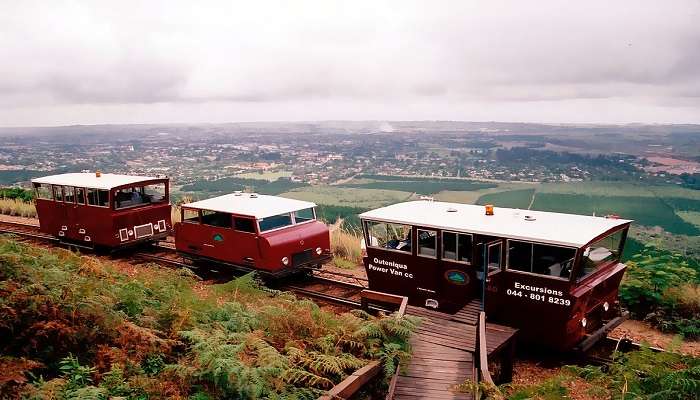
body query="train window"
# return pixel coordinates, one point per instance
(244, 224)
(494, 256)
(154, 193)
(43, 191)
(275, 222)
(190, 216)
(129, 197)
(427, 243)
(304, 215)
(98, 197)
(540, 259)
(600, 253)
(80, 195)
(68, 194)
(214, 218)
(457, 247)
(389, 236)
(58, 193)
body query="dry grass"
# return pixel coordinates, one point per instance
(346, 248)
(175, 209)
(17, 208)
(686, 296)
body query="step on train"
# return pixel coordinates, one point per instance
(553, 276)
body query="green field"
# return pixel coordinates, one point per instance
(650, 211)
(511, 199)
(228, 185)
(420, 185)
(691, 217)
(348, 197)
(269, 176)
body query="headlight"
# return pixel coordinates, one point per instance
(584, 322)
(606, 306)
(285, 260)
(319, 251)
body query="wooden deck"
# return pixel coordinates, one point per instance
(444, 349)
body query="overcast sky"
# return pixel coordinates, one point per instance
(96, 62)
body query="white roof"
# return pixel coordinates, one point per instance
(90, 180)
(547, 227)
(254, 205)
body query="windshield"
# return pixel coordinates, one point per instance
(601, 253)
(139, 195)
(275, 222)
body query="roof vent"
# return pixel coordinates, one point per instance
(253, 195)
(427, 198)
(451, 209)
(237, 193)
(529, 218)
(98, 174)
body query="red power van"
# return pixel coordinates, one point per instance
(553, 276)
(103, 210)
(247, 231)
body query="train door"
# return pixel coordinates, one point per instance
(428, 268)
(72, 212)
(59, 212)
(457, 275)
(246, 247)
(218, 239)
(490, 255)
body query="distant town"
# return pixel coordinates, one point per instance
(326, 154)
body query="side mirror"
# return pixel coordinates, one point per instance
(587, 252)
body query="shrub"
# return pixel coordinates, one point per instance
(663, 289)
(647, 374)
(91, 331)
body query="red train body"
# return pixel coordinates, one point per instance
(273, 235)
(104, 210)
(553, 276)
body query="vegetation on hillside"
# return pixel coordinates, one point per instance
(640, 374)
(664, 289)
(76, 327)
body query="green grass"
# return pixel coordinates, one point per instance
(511, 199)
(348, 197)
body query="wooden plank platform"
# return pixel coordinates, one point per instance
(443, 348)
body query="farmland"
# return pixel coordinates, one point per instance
(348, 197)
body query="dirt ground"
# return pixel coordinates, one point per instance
(642, 332)
(19, 220)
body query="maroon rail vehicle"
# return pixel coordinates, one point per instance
(554, 276)
(103, 210)
(247, 231)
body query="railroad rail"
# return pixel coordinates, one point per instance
(314, 285)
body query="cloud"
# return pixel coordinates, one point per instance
(273, 57)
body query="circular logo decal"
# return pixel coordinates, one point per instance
(218, 237)
(457, 277)
(301, 242)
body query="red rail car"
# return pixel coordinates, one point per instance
(103, 210)
(554, 276)
(274, 235)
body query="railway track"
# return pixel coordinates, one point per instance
(316, 285)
